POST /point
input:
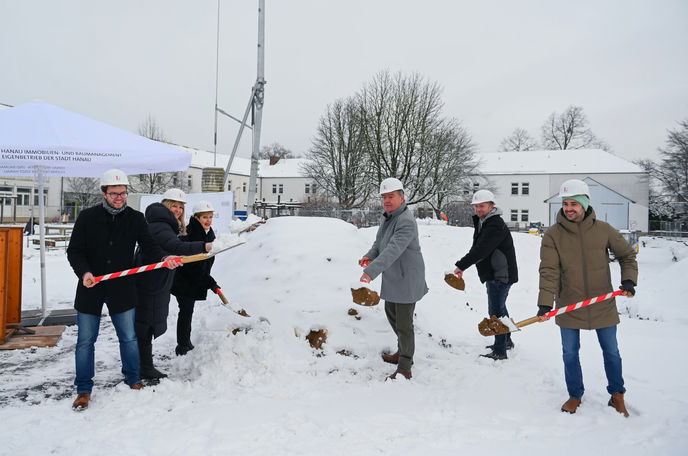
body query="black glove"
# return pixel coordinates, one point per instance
(543, 310)
(628, 285)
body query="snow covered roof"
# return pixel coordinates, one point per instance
(286, 167)
(555, 162)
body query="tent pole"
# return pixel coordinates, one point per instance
(41, 230)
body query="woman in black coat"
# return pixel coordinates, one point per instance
(165, 223)
(194, 280)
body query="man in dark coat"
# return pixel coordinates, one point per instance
(153, 289)
(103, 241)
(495, 258)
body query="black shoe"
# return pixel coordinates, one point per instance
(182, 350)
(509, 346)
(151, 373)
(493, 355)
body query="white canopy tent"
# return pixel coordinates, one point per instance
(39, 139)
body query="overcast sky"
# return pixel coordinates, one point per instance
(502, 64)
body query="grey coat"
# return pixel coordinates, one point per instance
(396, 254)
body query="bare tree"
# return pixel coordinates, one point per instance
(672, 171)
(518, 140)
(275, 150)
(405, 135)
(453, 170)
(82, 191)
(337, 161)
(570, 130)
(156, 182)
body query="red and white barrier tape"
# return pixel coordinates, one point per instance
(578, 305)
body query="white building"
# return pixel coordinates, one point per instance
(278, 181)
(526, 185)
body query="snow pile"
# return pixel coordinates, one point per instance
(255, 386)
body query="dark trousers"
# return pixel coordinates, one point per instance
(186, 308)
(497, 293)
(400, 317)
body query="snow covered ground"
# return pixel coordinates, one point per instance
(265, 391)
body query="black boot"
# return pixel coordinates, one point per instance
(148, 370)
(186, 308)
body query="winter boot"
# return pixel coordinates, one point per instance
(571, 405)
(406, 374)
(391, 358)
(148, 370)
(617, 401)
(81, 402)
(493, 355)
(509, 345)
(181, 350)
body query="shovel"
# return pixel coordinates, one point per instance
(494, 326)
(225, 302)
(161, 264)
(363, 295)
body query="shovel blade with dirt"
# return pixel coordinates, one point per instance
(494, 326)
(454, 282)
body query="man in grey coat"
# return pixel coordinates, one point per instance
(396, 255)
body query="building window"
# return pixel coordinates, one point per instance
(524, 215)
(514, 188)
(243, 187)
(229, 185)
(476, 186)
(23, 197)
(313, 188)
(6, 191)
(308, 188)
(189, 180)
(525, 188)
(281, 188)
(45, 198)
(274, 188)
(514, 215)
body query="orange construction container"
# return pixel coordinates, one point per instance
(10, 277)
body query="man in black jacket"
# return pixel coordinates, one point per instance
(103, 241)
(493, 254)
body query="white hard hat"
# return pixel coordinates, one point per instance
(390, 184)
(573, 187)
(483, 196)
(113, 177)
(174, 194)
(203, 206)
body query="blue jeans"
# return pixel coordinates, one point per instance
(570, 344)
(497, 293)
(89, 326)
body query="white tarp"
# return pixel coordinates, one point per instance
(223, 202)
(38, 139)
(64, 143)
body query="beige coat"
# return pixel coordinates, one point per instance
(574, 265)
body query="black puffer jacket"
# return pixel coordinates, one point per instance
(163, 227)
(103, 243)
(492, 251)
(194, 280)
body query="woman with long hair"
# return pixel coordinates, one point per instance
(165, 224)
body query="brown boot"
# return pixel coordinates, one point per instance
(406, 374)
(391, 358)
(571, 405)
(81, 402)
(136, 386)
(617, 401)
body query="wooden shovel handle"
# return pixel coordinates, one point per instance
(223, 298)
(527, 322)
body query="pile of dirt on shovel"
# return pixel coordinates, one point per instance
(492, 326)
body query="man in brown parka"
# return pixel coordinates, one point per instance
(574, 265)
